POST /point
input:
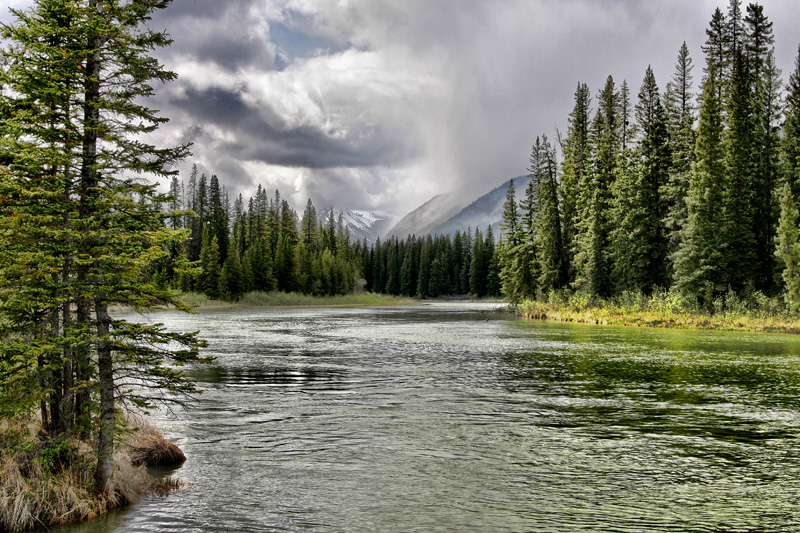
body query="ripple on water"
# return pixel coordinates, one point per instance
(435, 418)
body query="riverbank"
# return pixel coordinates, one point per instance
(293, 299)
(46, 482)
(665, 310)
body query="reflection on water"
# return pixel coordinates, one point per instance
(450, 417)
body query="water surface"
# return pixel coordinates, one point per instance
(451, 417)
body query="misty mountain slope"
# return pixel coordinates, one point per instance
(483, 212)
(426, 217)
(361, 223)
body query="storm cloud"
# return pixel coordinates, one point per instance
(379, 105)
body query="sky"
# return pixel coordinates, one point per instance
(378, 105)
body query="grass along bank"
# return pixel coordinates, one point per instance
(46, 482)
(663, 309)
(293, 299)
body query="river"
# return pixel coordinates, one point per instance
(451, 417)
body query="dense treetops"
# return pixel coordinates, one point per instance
(694, 194)
(269, 247)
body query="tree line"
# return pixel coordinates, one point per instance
(690, 192)
(263, 245)
(434, 266)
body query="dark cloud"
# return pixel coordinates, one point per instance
(264, 136)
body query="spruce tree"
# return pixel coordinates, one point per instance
(739, 238)
(210, 266)
(788, 248)
(478, 269)
(510, 249)
(577, 151)
(492, 265)
(679, 107)
(549, 242)
(765, 141)
(640, 233)
(716, 50)
(93, 58)
(592, 259)
(231, 280)
(700, 267)
(790, 144)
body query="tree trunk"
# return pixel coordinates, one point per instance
(105, 369)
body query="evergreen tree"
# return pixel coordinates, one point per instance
(678, 103)
(592, 259)
(493, 286)
(217, 216)
(765, 141)
(408, 282)
(511, 265)
(79, 73)
(425, 260)
(478, 269)
(549, 244)
(788, 248)
(716, 49)
(640, 231)
(790, 145)
(739, 239)
(285, 265)
(700, 261)
(577, 152)
(309, 228)
(232, 281)
(210, 264)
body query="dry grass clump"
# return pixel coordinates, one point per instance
(46, 482)
(147, 446)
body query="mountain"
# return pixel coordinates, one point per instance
(426, 217)
(360, 223)
(483, 212)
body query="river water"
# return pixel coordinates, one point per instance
(451, 417)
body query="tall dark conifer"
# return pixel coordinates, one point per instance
(593, 240)
(577, 151)
(700, 263)
(739, 240)
(680, 111)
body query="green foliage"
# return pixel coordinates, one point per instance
(78, 234)
(788, 248)
(700, 263)
(639, 213)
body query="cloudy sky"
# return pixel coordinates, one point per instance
(379, 105)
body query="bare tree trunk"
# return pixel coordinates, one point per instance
(105, 440)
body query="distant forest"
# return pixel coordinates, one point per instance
(681, 190)
(265, 246)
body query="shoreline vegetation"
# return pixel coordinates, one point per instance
(47, 482)
(757, 313)
(278, 299)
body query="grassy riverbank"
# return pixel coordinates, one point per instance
(46, 482)
(757, 313)
(293, 299)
